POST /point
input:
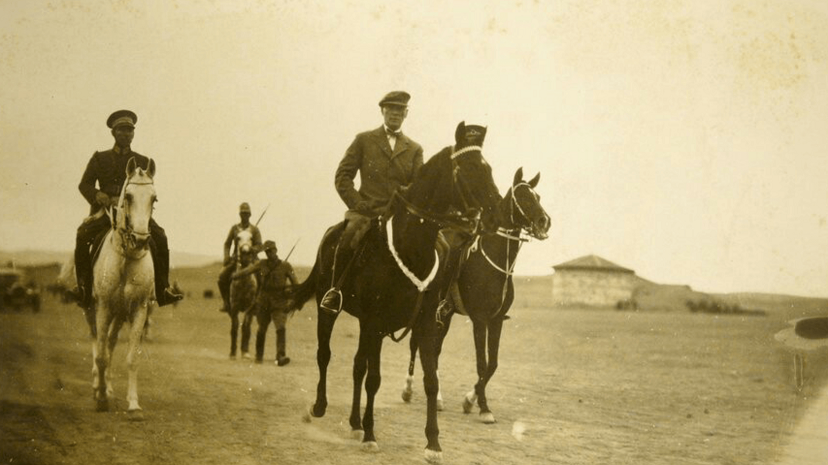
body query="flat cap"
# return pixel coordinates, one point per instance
(397, 97)
(244, 208)
(122, 118)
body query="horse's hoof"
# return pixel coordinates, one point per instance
(102, 405)
(406, 395)
(246, 356)
(357, 434)
(433, 456)
(370, 446)
(135, 415)
(468, 402)
(487, 418)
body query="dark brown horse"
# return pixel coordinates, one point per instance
(398, 277)
(485, 291)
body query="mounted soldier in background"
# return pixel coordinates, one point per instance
(230, 259)
(108, 170)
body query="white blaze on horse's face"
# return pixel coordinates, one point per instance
(244, 241)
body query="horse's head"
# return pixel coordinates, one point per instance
(459, 180)
(523, 209)
(244, 245)
(135, 205)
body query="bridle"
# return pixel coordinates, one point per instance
(127, 234)
(467, 221)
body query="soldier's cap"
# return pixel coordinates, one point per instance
(397, 98)
(269, 245)
(122, 118)
(244, 208)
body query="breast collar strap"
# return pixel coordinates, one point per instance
(421, 285)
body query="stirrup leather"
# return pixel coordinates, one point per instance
(332, 293)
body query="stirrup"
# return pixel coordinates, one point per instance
(332, 301)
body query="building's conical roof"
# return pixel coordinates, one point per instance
(591, 262)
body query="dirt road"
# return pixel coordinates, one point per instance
(572, 388)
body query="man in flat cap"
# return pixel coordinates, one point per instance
(230, 259)
(385, 159)
(101, 185)
(272, 302)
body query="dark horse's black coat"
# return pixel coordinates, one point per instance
(379, 293)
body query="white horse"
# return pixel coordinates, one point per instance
(242, 295)
(123, 285)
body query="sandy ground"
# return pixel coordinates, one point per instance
(573, 387)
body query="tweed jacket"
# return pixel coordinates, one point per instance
(108, 169)
(381, 170)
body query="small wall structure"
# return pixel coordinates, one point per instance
(592, 280)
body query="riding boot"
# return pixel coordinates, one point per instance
(281, 342)
(83, 273)
(164, 294)
(224, 287)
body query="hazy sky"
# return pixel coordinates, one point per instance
(685, 139)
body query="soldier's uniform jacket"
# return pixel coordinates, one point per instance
(108, 169)
(274, 278)
(381, 170)
(232, 237)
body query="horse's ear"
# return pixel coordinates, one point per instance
(518, 176)
(534, 182)
(130, 167)
(151, 168)
(460, 133)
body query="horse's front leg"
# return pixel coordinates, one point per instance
(136, 332)
(495, 327)
(359, 370)
(112, 340)
(408, 389)
(479, 329)
(245, 330)
(427, 340)
(324, 328)
(373, 346)
(234, 331)
(103, 319)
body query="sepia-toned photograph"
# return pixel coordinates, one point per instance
(485, 232)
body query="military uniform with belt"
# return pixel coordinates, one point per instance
(108, 169)
(272, 303)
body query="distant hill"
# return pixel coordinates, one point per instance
(44, 257)
(536, 291)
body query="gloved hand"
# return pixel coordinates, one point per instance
(102, 199)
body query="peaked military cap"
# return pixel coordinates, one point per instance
(397, 97)
(244, 208)
(269, 245)
(122, 118)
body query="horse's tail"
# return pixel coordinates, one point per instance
(304, 291)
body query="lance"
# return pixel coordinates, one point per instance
(262, 215)
(291, 249)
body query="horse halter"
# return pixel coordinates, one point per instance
(456, 220)
(128, 235)
(516, 205)
(458, 185)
